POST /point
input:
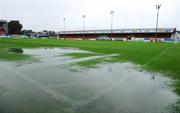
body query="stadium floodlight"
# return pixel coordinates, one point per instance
(111, 12)
(64, 20)
(157, 20)
(84, 17)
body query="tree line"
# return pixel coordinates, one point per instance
(14, 27)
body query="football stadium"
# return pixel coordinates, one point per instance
(89, 56)
(148, 34)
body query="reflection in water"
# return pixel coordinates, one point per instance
(2, 88)
(48, 87)
(153, 77)
(15, 50)
(110, 69)
(2, 83)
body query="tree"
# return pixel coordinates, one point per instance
(29, 33)
(26, 32)
(14, 27)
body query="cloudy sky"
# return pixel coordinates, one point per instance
(48, 14)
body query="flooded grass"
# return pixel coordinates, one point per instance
(118, 87)
(51, 83)
(159, 56)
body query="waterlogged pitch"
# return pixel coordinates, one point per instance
(58, 77)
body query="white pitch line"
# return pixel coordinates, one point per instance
(57, 63)
(60, 97)
(88, 58)
(50, 91)
(159, 55)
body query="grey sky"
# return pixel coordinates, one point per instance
(48, 14)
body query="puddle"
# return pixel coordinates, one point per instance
(48, 57)
(49, 87)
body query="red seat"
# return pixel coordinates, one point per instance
(2, 31)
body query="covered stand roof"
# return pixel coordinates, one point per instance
(121, 31)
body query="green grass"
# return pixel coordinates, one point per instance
(93, 63)
(140, 53)
(12, 56)
(90, 63)
(81, 55)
